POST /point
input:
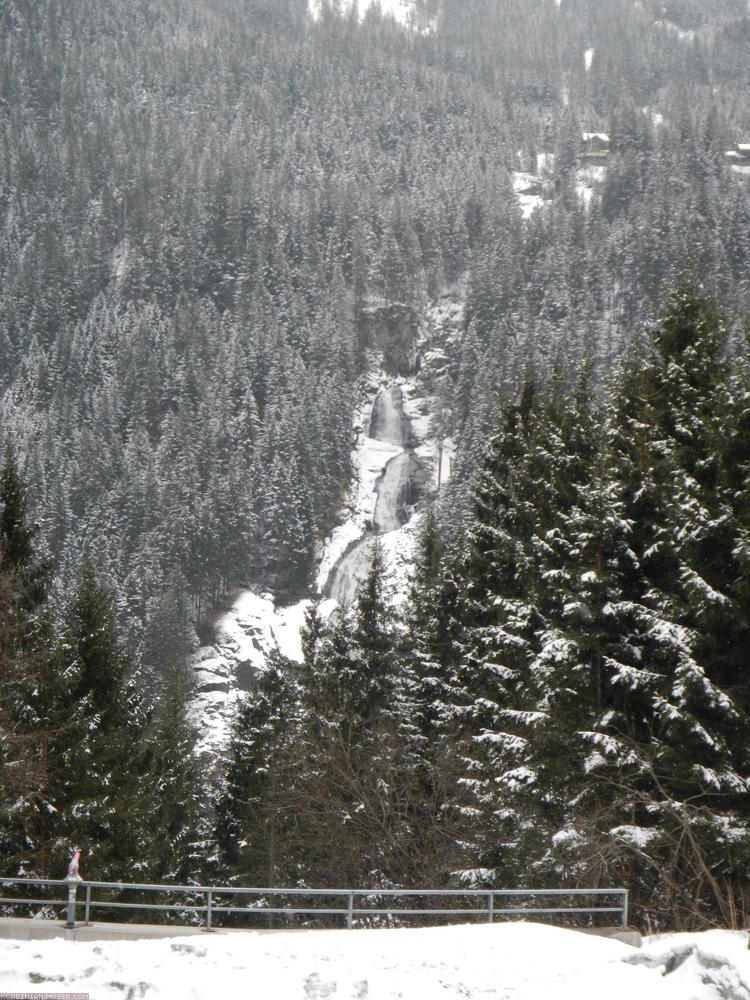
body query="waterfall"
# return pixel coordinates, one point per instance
(351, 570)
(391, 488)
(388, 425)
(387, 421)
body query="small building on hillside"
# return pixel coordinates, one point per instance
(739, 159)
(595, 146)
(740, 155)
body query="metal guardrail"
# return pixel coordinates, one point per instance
(354, 905)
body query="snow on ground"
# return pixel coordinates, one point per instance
(401, 10)
(243, 638)
(684, 34)
(528, 189)
(657, 118)
(545, 163)
(508, 961)
(588, 179)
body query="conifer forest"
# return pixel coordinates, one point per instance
(226, 225)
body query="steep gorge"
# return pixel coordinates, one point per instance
(399, 462)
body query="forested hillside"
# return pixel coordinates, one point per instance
(203, 206)
(196, 198)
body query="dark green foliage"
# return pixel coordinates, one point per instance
(30, 694)
(256, 814)
(19, 535)
(329, 781)
(101, 799)
(16, 532)
(176, 787)
(603, 612)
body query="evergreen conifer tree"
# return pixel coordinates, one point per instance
(256, 814)
(103, 800)
(30, 711)
(176, 789)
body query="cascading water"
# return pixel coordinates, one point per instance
(351, 570)
(387, 420)
(389, 425)
(392, 487)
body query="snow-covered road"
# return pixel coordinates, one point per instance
(512, 961)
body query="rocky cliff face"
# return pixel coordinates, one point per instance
(391, 329)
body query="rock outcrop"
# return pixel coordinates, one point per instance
(393, 329)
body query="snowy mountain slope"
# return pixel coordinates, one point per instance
(511, 961)
(398, 431)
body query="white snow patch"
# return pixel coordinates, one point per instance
(684, 34)
(545, 163)
(638, 836)
(657, 118)
(588, 58)
(565, 837)
(585, 194)
(244, 636)
(588, 180)
(593, 762)
(286, 627)
(502, 961)
(528, 189)
(402, 11)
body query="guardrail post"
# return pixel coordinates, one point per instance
(490, 906)
(72, 882)
(625, 896)
(87, 906)
(350, 911)
(209, 895)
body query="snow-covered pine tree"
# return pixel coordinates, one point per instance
(179, 810)
(679, 743)
(434, 627)
(513, 503)
(104, 804)
(359, 794)
(256, 812)
(30, 693)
